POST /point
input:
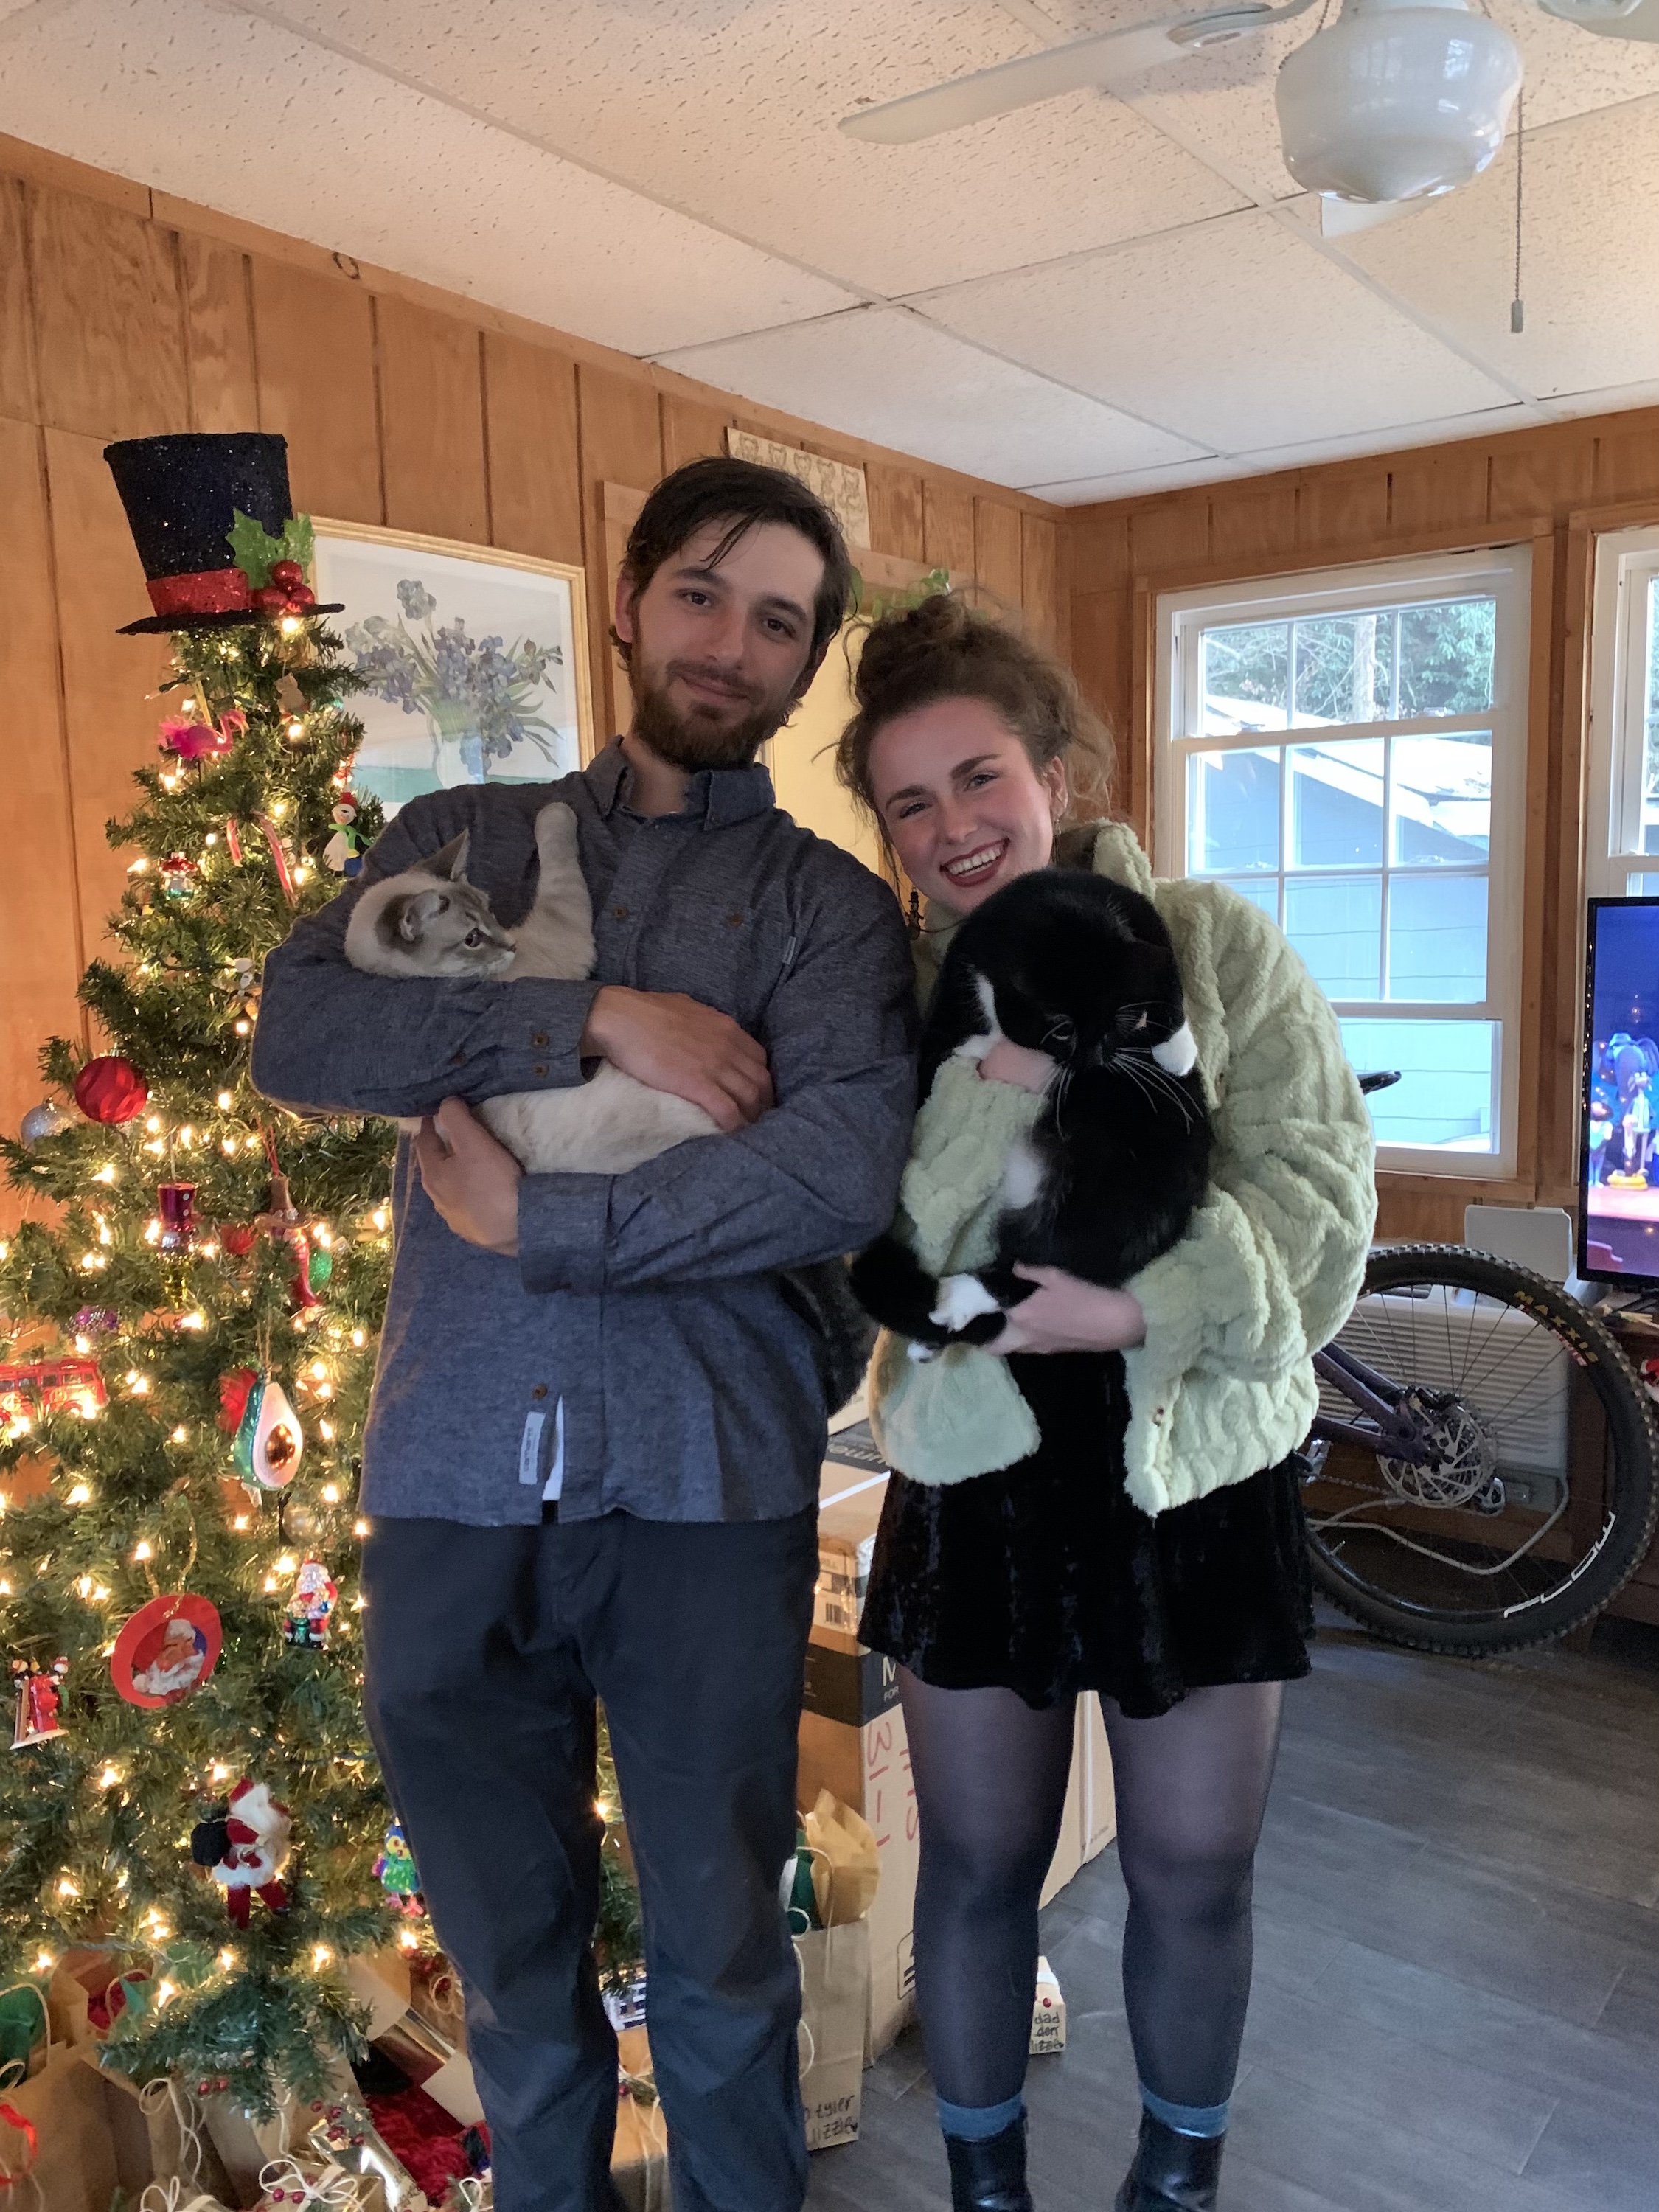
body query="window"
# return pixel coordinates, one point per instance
(1348, 751)
(1623, 764)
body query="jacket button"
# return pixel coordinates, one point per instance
(734, 921)
(456, 1058)
(540, 1390)
(540, 1068)
(621, 913)
(540, 1037)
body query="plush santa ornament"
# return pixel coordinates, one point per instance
(247, 1847)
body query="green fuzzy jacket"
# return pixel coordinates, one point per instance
(1267, 1271)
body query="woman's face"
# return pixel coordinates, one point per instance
(962, 804)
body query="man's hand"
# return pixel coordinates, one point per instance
(1065, 1314)
(677, 1044)
(471, 1179)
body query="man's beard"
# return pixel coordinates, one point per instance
(693, 737)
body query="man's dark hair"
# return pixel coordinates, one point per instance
(740, 494)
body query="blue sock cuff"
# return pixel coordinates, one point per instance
(979, 2123)
(1205, 2120)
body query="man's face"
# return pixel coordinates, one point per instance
(720, 652)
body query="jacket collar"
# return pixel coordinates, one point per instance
(715, 797)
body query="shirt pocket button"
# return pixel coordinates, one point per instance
(540, 1390)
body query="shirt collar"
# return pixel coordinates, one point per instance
(715, 797)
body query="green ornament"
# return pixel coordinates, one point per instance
(321, 1269)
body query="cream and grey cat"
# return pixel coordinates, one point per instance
(430, 921)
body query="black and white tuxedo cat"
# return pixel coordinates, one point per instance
(1080, 969)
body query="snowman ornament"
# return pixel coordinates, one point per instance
(247, 1850)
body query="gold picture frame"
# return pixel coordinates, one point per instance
(476, 659)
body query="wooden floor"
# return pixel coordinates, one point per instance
(1456, 2001)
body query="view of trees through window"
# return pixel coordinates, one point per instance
(1393, 665)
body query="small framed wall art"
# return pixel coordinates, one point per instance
(474, 661)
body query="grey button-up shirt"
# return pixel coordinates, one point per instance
(651, 1305)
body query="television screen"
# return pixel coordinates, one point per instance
(1618, 1199)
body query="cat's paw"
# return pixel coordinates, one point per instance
(962, 1299)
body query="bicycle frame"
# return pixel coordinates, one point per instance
(1397, 1429)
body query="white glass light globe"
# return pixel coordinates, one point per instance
(1398, 101)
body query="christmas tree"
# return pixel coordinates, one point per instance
(188, 1318)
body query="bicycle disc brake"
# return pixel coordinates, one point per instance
(1459, 1455)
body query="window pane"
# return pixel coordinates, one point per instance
(1233, 812)
(1445, 658)
(1650, 747)
(1336, 924)
(1444, 1096)
(1242, 675)
(1336, 804)
(1264, 894)
(1442, 799)
(1437, 937)
(1344, 669)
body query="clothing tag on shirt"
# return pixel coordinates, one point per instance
(554, 1487)
(530, 1448)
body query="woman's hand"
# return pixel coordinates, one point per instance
(1065, 1314)
(1006, 1063)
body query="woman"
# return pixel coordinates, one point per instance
(1151, 1547)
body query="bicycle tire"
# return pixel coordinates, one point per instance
(1633, 1435)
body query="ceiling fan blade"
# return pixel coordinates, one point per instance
(1342, 218)
(1102, 60)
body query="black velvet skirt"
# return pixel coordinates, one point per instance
(1045, 1579)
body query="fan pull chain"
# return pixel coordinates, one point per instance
(1518, 307)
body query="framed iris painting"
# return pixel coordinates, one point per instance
(474, 662)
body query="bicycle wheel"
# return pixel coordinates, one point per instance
(1534, 1497)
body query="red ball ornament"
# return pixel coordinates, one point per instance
(271, 599)
(287, 573)
(300, 596)
(111, 1089)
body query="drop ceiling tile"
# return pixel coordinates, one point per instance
(1590, 244)
(217, 106)
(1236, 334)
(1483, 422)
(1220, 104)
(728, 109)
(887, 375)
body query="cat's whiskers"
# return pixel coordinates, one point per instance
(1156, 1079)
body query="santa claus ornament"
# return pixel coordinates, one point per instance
(311, 1606)
(246, 1849)
(166, 1649)
(38, 1700)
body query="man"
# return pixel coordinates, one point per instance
(592, 1459)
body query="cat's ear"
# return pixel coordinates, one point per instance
(408, 919)
(450, 862)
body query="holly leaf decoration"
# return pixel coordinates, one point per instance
(255, 552)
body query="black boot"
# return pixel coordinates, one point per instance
(990, 2176)
(1171, 2173)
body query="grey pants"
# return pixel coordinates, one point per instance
(486, 1648)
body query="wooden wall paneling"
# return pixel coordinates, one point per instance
(690, 430)
(1255, 525)
(224, 392)
(1174, 534)
(621, 425)
(1444, 487)
(1135, 740)
(621, 505)
(19, 392)
(39, 918)
(1098, 542)
(108, 322)
(534, 449)
(1040, 579)
(1627, 455)
(314, 342)
(999, 551)
(1541, 472)
(111, 705)
(896, 523)
(1338, 510)
(432, 425)
(947, 527)
(1100, 655)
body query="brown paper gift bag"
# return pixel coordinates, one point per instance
(73, 2166)
(639, 2161)
(846, 1868)
(834, 1992)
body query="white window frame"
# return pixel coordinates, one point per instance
(1626, 563)
(1505, 573)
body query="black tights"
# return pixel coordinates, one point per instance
(1192, 1787)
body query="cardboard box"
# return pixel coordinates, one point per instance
(1048, 2013)
(853, 1741)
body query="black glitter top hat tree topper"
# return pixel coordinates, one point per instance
(190, 500)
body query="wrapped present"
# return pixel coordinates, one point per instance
(431, 2055)
(292, 2184)
(178, 2195)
